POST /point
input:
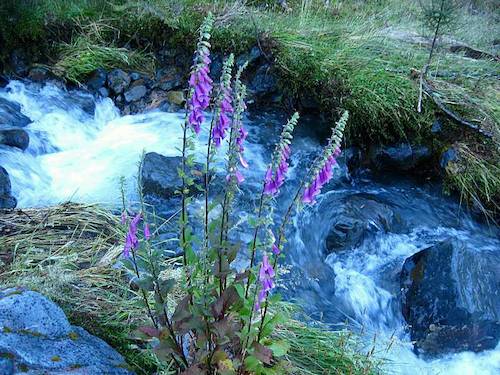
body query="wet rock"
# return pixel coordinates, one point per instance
(450, 155)
(401, 158)
(360, 216)
(18, 63)
(134, 76)
(4, 81)
(7, 201)
(309, 102)
(160, 177)
(82, 100)
(14, 137)
(36, 337)
(353, 158)
(10, 115)
(451, 298)
(103, 92)
(118, 81)
(97, 80)
(250, 57)
(176, 97)
(437, 127)
(135, 93)
(158, 100)
(168, 78)
(264, 82)
(39, 74)
(216, 66)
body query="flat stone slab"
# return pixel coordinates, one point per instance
(36, 338)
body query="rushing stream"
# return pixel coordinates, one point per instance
(77, 153)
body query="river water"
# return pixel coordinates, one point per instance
(79, 153)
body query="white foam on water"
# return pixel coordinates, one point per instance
(74, 155)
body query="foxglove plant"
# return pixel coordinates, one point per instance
(200, 83)
(218, 129)
(266, 276)
(322, 172)
(273, 180)
(198, 100)
(219, 327)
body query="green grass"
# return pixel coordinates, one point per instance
(360, 55)
(314, 349)
(68, 254)
(80, 58)
(478, 180)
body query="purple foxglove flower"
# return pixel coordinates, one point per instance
(243, 162)
(269, 175)
(276, 249)
(201, 87)
(123, 219)
(147, 233)
(270, 187)
(131, 240)
(239, 177)
(266, 276)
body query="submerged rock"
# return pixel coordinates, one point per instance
(360, 216)
(14, 137)
(400, 158)
(160, 176)
(118, 81)
(6, 199)
(10, 115)
(451, 298)
(36, 338)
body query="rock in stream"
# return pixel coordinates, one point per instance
(451, 298)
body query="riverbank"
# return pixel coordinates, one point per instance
(357, 56)
(70, 254)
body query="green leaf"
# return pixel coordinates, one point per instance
(166, 286)
(145, 283)
(269, 325)
(279, 348)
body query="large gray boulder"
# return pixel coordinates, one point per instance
(11, 116)
(451, 298)
(36, 338)
(6, 199)
(160, 177)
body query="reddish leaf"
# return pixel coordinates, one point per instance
(150, 331)
(262, 353)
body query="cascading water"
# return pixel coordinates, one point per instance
(80, 148)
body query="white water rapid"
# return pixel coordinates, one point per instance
(78, 153)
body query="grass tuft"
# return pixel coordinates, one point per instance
(80, 58)
(69, 254)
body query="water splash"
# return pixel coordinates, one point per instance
(80, 147)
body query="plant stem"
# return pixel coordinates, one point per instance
(281, 236)
(254, 242)
(184, 216)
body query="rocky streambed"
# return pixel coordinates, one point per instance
(388, 254)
